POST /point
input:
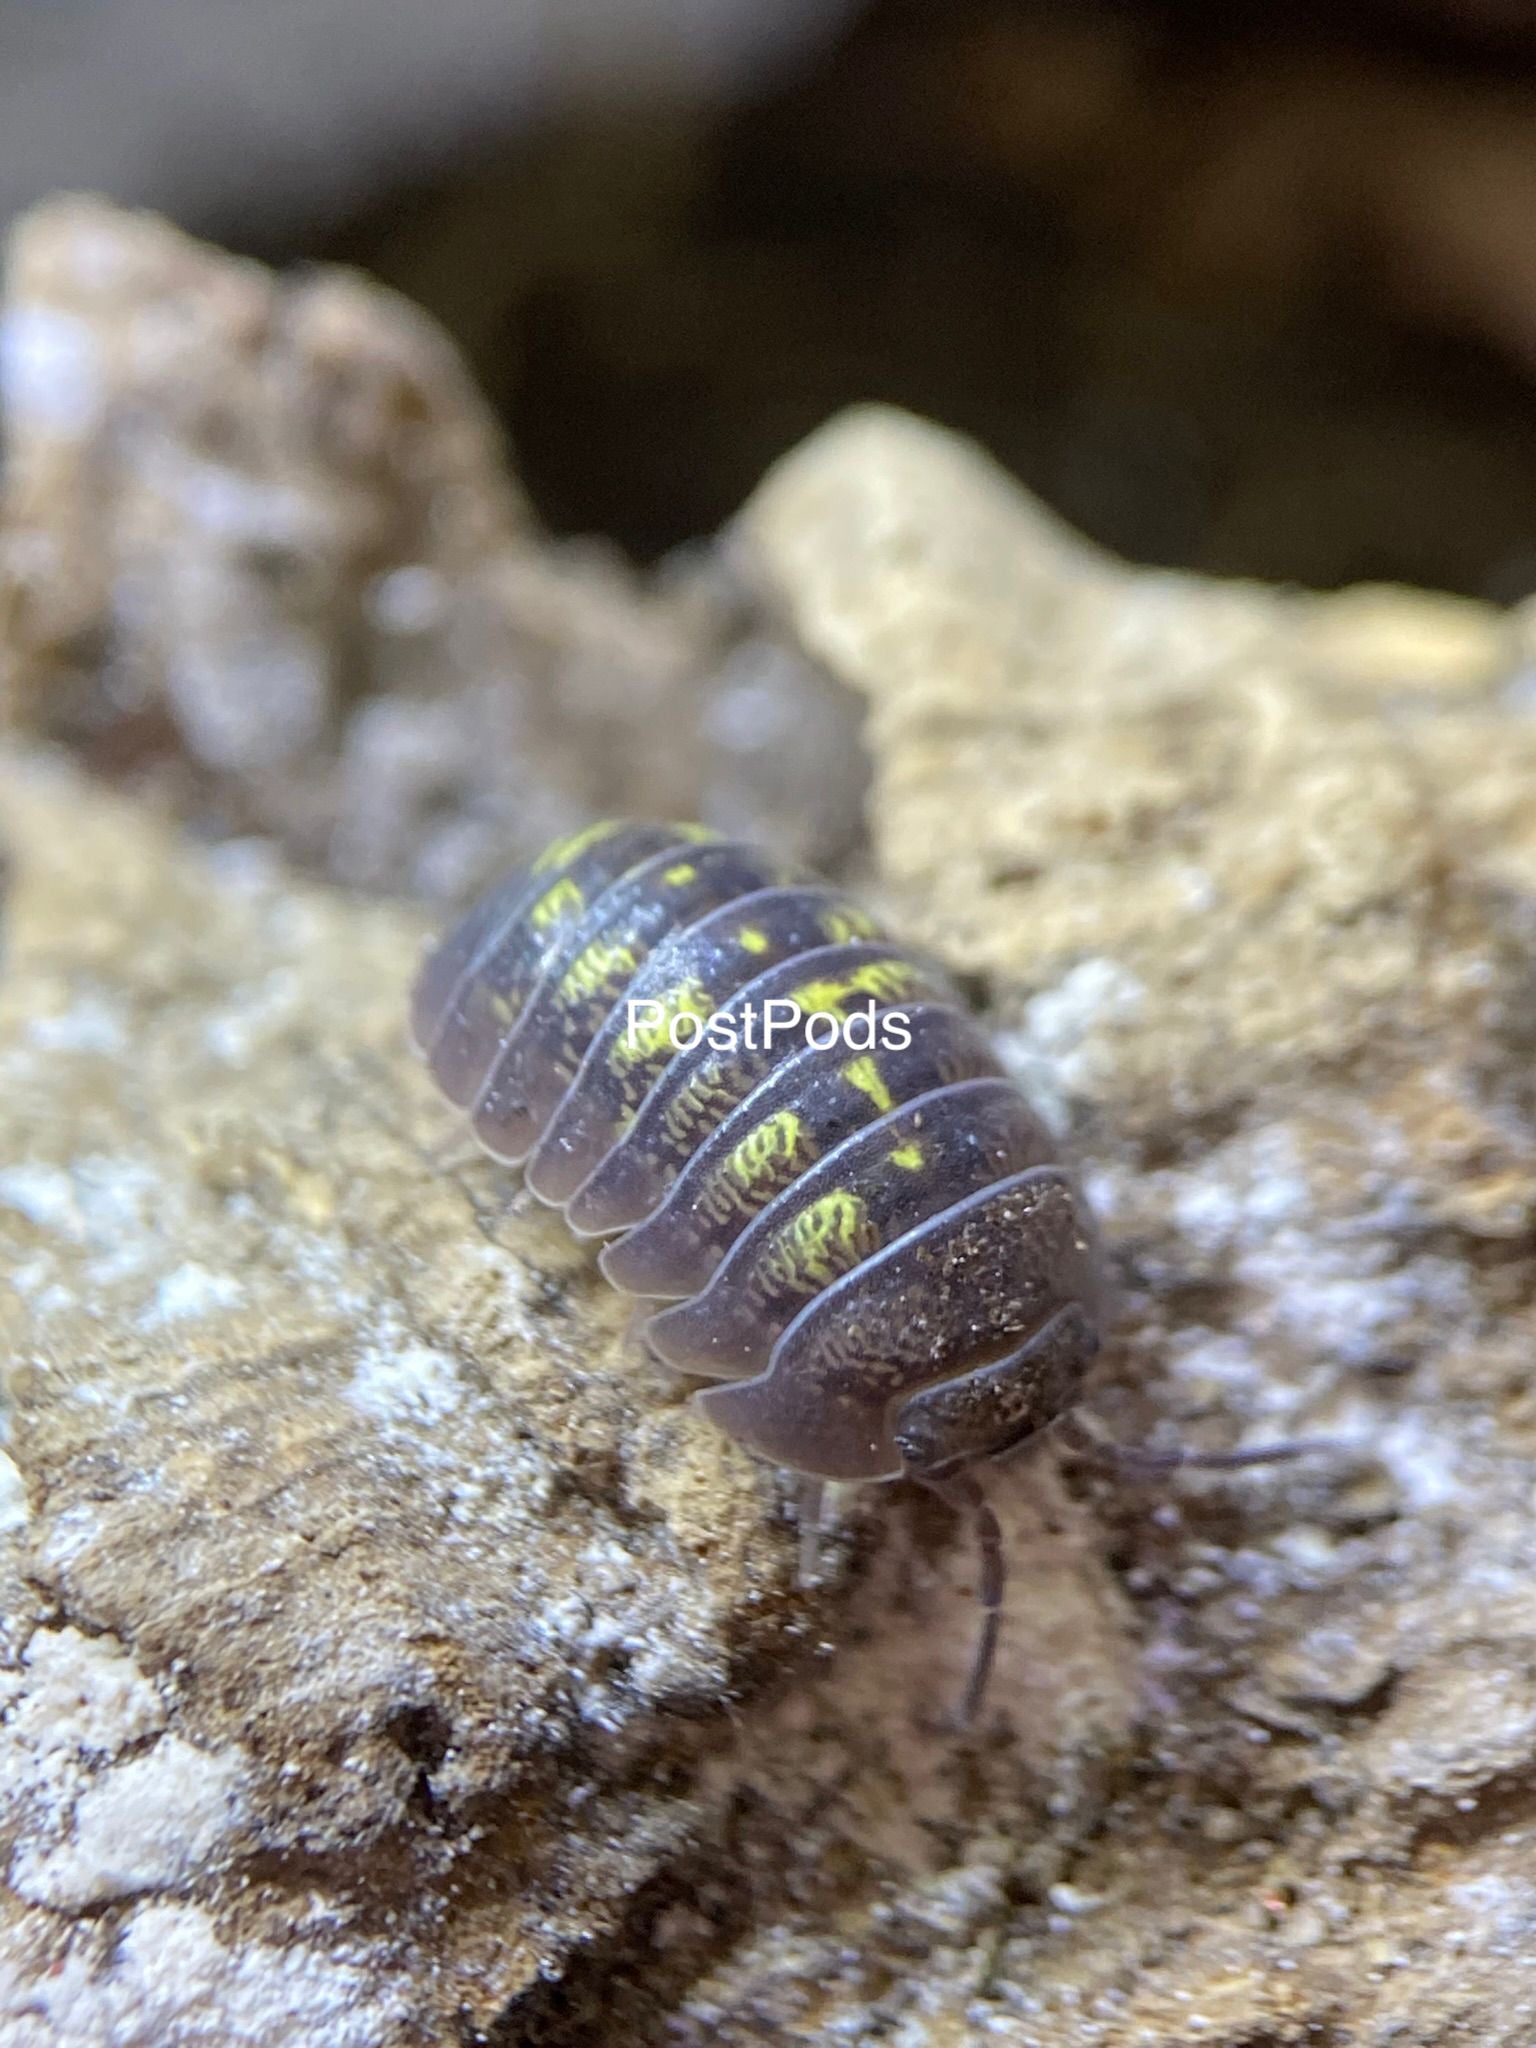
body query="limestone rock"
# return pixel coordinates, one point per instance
(1247, 880)
(259, 552)
(369, 1606)
(385, 1648)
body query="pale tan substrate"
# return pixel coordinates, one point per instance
(370, 1604)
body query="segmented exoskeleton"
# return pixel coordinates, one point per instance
(860, 1237)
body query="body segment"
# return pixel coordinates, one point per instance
(882, 1182)
(798, 1112)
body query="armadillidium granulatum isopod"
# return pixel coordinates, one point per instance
(857, 1233)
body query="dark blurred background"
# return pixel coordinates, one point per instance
(1248, 287)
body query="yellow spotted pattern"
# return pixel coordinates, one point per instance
(604, 964)
(649, 1041)
(880, 979)
(751, 939)
(574, 844)
(909, 1156)
(768, 1158)
(700, 1105)
(776, 1138)
(826, 1238)
(864, 1075)
(844, 925)
(680, 876)
(564, 900)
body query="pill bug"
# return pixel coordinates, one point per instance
(862, 1242)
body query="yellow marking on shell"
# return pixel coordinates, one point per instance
(648, 1039)
(574, 844)
(557, 904)
(909, 1156)
(864, 1075)
(879, 979)
(706, 1100)
(754, 1170)
(845, 924)
(766, 1149)
(503, 1009)
(885, 978)
(826, 1238)
(604, 962)
(752, 939)
(680, 876)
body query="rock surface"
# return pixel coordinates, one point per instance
(368, 1608)
(371, 1617)
(1248, 881)
(259, 552)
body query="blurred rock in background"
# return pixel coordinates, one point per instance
(1231, 289)
(259, 554)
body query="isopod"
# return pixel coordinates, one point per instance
(859, 1236)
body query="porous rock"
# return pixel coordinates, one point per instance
(368, 1605)
(1247, 879)
(260, 553)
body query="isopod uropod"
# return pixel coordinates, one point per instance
(856, 1233)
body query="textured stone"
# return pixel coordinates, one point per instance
(259, 552)
(369, 1605)
(1247, 880)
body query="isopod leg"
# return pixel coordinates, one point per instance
(1085, 1438)
(812, 1501)
(963, 1492)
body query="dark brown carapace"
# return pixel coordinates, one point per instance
(855, 1230)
